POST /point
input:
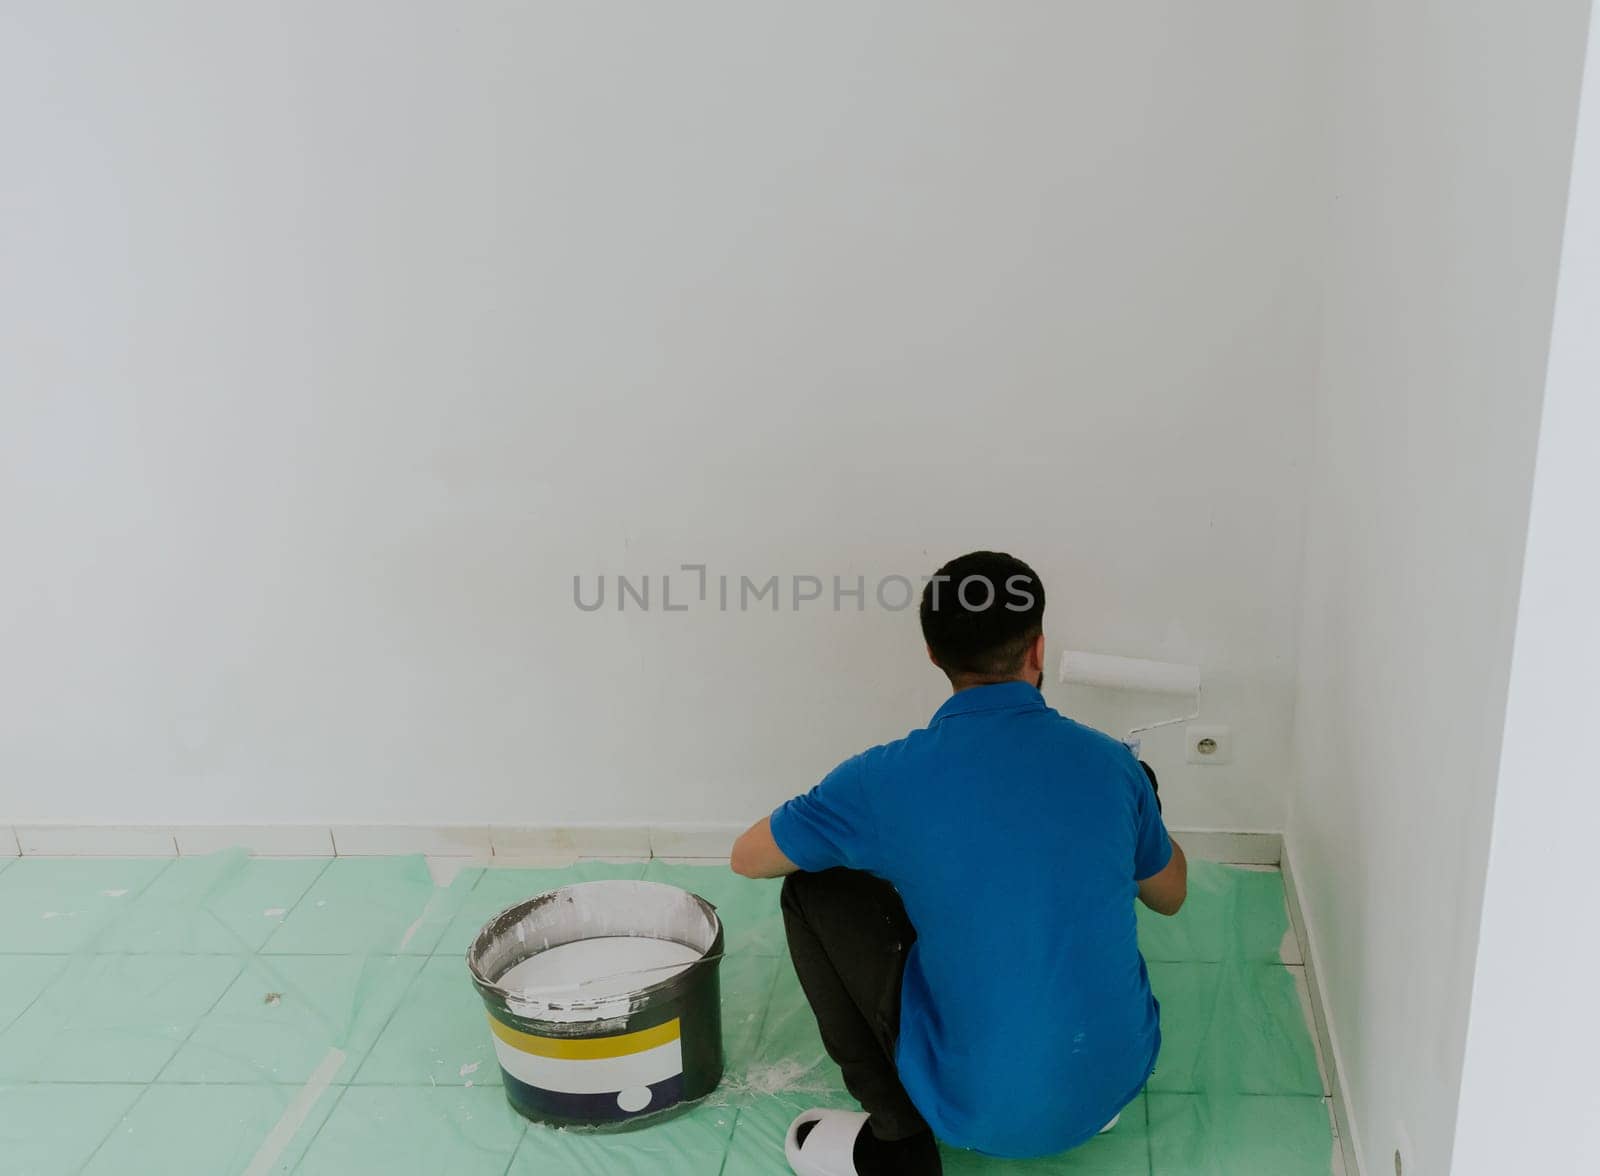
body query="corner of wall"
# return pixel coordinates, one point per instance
(1349, 1131)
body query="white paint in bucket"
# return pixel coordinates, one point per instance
(599, 969)
(614, 1016)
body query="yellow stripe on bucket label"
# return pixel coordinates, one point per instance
(572, 1048)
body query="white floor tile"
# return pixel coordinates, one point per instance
(721, 860)
(1289, 949)
(445, 870)
(533, 861)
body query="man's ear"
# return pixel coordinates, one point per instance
(1038, 653)
(931, 658)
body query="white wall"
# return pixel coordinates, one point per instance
(1452, 129)
(338, 338)
(1528, 1097)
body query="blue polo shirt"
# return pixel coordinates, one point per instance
(1015, 837)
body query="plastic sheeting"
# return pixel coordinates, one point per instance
(230, 1014)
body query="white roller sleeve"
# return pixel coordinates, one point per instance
(1128, 673)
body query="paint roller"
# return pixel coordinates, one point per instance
(1109, 672)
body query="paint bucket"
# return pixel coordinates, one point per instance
(623, 1047)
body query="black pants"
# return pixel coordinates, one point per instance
(848, 937)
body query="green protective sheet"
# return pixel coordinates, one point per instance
(229, 1014)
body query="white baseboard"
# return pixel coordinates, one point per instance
(1240, 849)
(694, 841)
(1348, 1140)
(261, 840)
(682, 840)
(520, 842)
(596, 840)
(95, 841)
(436, 840)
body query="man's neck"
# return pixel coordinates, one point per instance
(971, 681)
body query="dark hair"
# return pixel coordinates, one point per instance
(981, 612)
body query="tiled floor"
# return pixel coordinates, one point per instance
(227, 1014)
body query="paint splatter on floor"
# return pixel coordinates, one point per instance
(370, 1053)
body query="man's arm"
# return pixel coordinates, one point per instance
(756, 854)
(1164, 892)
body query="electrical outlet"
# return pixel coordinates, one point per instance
(1208, 744)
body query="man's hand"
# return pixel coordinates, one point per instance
(1164, 892)
(756, 854)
